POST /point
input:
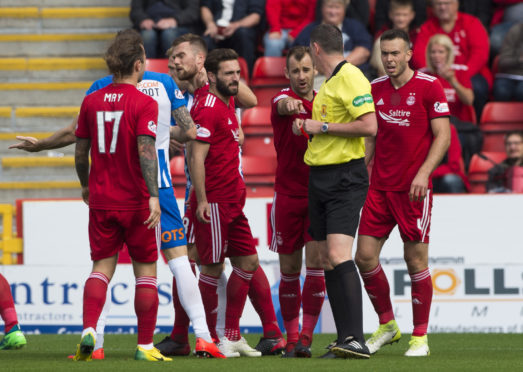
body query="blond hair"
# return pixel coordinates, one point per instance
(445, 42)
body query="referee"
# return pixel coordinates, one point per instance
(342, 114)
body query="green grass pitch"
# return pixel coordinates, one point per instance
(449, 352)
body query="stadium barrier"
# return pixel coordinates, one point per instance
(9, 245)
(475, 258)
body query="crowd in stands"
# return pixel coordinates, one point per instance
(474, 47)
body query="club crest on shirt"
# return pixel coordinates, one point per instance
(411, 100)
(152, 126)
(323, 111)
(441, 107)
(178, 94)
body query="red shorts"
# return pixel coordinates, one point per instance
(290, 223)
(109, 230)
(384, 209)
(188, 223)
(227, 235)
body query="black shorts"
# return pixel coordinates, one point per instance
(336, 195)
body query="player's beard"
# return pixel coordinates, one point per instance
(187, 74)
(227, 90)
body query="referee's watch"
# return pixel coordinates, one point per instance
(325, 127)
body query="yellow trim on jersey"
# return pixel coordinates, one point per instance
(341, 99)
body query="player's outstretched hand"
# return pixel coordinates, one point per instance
(154, 216)
(294, 106)
(29, 144)
(418, 188)
(203, 212)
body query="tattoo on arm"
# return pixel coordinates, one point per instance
(81, 160)
(183, 118)
(148, 163)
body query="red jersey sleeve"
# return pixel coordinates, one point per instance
(435, 100)
(478, 45)
(204, 119)
(272, 11)
(147, 118)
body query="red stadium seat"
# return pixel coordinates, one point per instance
(258, 173)
(157, 65)
(244, 70)
(269, 71)
(497, 119)
(479, 167)
(502, 112)
(257, 120)
(265, 94)
(259, 146)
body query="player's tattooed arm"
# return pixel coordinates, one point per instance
(81, 163)
(148, 163)
(185, 123)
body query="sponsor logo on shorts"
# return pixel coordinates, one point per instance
(152, 126)
(360, 100)
(202, 132)
(441, 107)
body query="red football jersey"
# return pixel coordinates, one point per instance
(217, 125)
(456, 107)
(292, 174)
(112, 118)
(404, 131)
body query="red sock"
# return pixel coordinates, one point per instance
(7, 305)
(237, 290)
(146, 308)
(312, 297)
(378, 289)
(261, 298)
(290, 303)
(180, 332)
(208, 286)
(421, 291)
(95, 292)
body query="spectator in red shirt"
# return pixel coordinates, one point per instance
(286, 19)
(471, 44)
(455, 81)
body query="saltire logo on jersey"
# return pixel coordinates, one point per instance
(360, 100)
(392, 120)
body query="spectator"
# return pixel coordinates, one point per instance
(162, 21)
(357, 41)
(355, 9)
(382, 17)
(401, 16)
(471, 45)
(508, 85)
(233, 24)
(449, 177)
(456, 82)
(506, 14)
(286, 19)
(507, 176)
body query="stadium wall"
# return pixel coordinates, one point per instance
(476, 261)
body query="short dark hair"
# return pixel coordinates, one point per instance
(298, 52)
(514, 133)
(396, 34)
(216, 56)
(328, 37)
(401, 3)
(193, 39)
(124, 51)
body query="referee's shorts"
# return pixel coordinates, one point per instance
(336, 195)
